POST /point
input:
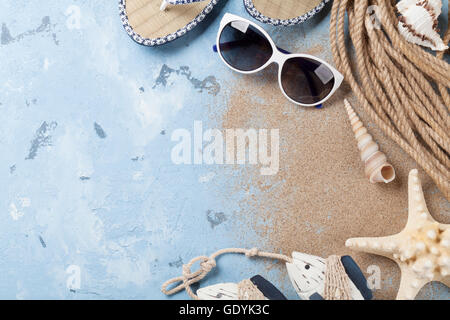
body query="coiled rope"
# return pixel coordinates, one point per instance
(402, 87)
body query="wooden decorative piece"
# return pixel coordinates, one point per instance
(220, 291)
(257, 288)
(334, 278)
(422, 249)
(308, 276)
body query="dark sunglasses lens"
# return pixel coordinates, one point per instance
(243, 46)
(306, 81)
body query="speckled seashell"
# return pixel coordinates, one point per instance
(377, 169)
(418, 22)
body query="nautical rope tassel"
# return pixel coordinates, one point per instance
(337, 286)
(248, 291)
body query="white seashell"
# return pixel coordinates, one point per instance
(377, 168)
(418, 23)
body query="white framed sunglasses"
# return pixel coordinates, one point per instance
(247, 48)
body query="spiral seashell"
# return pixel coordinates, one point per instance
(418, 22)
(377, 169)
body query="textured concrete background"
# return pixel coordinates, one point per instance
(86, 180)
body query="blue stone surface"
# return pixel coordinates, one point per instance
(87, 186)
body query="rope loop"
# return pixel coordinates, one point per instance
(206, 265)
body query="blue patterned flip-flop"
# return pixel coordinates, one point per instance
(156, 22)
(290, 12)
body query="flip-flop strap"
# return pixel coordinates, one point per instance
(165, 3)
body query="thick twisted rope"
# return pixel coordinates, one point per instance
(206, 265)
(402, 87)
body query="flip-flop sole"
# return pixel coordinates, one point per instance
(146, 24)
(283, 12)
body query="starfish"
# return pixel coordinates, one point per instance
(421, 249)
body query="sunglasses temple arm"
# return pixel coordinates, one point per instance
(228, 44)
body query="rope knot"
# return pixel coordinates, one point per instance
(208, 265)
(186, 270)
(252, 252)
